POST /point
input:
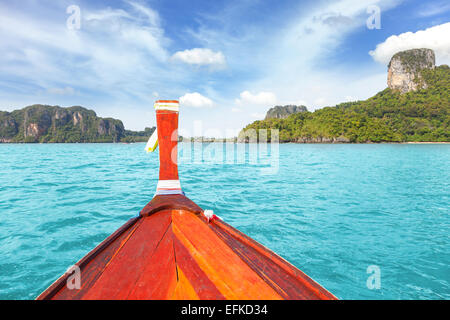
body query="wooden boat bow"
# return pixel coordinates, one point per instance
(173, 250)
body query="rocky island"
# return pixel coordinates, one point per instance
(54, 124)
(415, 107)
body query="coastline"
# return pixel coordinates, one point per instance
(429, 142)
(234, 142)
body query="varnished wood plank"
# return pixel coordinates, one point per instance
(184, 289)
(158, 278)
(281, 281)
(165, 202)
(312, 288)
(203, 286)
(119, 277)
(231, 275)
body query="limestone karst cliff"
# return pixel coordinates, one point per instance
(281, 112)
(405, 69)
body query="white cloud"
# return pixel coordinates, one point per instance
(349, 98)
(436, 38)
(263, 98)
(117, 51)
(106, 14)
(149, 13)
(235, 110)
(258, 115)
(304, 41)
(62, 91)
(321, 101)
(433, 9)
(301, 103)
(145, 38)
(201, 57)
(196, 100)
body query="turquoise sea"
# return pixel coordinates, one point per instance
(331, 210)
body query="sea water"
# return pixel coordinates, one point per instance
(365, 221)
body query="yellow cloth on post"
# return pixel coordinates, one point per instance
(152, 142)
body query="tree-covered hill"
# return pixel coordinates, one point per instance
(43, 123)
(389, 116)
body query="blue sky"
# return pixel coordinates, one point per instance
(227, 61)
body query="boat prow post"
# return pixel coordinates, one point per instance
(169, 194)
(167, 128)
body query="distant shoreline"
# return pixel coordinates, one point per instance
(356, 143)
(430, 142)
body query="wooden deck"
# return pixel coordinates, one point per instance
(172, 252)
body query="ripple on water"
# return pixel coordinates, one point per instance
(331, 210)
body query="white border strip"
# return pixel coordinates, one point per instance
(168, 185)
(168, 192)
(172, 106)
